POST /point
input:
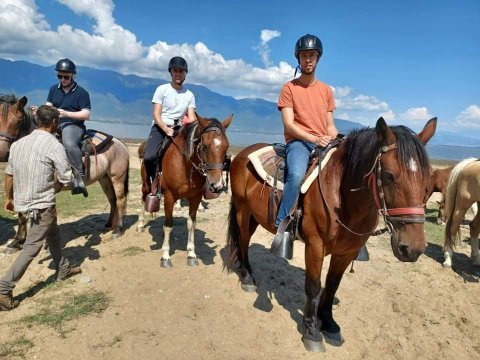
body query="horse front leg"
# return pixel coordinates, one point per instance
(191, 224)
(312, 337)
(169, 202)
(329, 327)
(20, 236)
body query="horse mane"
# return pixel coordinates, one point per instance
(362, 147)
(192, 133)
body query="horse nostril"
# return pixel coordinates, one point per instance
(404, 250)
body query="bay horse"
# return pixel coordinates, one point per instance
(439, 184)
(463, 191)
(381, 171)
(192, 163)
(109, 166)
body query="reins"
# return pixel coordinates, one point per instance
(390, 216)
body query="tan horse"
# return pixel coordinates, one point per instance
(463, 191)
(193, 163)
(110, 166)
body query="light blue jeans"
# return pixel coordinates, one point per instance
(298, 155)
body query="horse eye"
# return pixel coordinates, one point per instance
(388, 178)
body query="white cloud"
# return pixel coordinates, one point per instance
(25, 34)
(470, 117)
(361, 102)
(388, 115)
(417, 113)
(263, 49)
(341, 91)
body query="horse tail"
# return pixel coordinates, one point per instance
(450, 196)
(125, 182)
(141, 150)
(233, 238)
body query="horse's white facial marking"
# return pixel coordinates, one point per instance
(412, 165)
(217, 142)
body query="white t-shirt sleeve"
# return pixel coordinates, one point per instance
(159, 95)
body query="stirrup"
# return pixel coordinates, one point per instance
(282, 244)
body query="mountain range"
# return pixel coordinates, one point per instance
(126, 99)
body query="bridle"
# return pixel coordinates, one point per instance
(391, 216)
(203, 167)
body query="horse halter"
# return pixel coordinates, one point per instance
(203, 167)
(393, 215)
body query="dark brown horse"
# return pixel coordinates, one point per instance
(374, 171)
(110, 166)
(192, 164)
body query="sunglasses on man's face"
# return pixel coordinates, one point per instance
(64, 77)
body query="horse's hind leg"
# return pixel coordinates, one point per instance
(474, 231)
(451, 230)
(120, 201)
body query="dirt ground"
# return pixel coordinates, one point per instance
(387, 309)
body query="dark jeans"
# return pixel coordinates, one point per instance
(72, 135)
(154, 142)
(44, 227)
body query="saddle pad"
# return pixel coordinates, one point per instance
(94, 141)
(266, 160)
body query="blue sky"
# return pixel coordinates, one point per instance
(405, 60)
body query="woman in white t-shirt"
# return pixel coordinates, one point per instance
(171, 103)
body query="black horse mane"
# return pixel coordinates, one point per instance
(362, 147)
(192, 133)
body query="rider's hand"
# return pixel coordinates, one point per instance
(169, 131)
(9, 206)
(34, 109)
(62, 112)
(323, 140)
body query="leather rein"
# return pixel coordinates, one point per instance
(391, 216)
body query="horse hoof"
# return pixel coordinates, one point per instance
(165, 263)
(313, 346)
(140, 229)
(249, 287)
(334, 339)
(192, 261)
(447, 265)
(116, 235)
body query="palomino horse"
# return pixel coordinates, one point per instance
(374, 171)
(110, 166)
(192, 163)
(463, 191)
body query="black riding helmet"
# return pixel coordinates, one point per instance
(177, 62)
(308, 42)
(66, 65)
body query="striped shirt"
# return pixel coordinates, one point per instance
(32, 163)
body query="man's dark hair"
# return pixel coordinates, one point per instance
(46, 114)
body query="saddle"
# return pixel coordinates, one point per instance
(94, 141)
(269, 163)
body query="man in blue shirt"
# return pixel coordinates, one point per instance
(73, 103)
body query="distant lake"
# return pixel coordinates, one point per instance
(136, 131)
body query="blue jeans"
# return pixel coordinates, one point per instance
(298, 155)
(72, 135)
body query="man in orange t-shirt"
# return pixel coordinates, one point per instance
(307, 106)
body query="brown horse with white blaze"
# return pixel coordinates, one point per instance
(374, 171)
(192, 164)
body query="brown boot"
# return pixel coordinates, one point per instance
(7, 303)
(71, 271)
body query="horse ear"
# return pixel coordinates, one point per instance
(385, 136)
(428, 131)
(22, 102)
(202, 121)
(227, 121)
